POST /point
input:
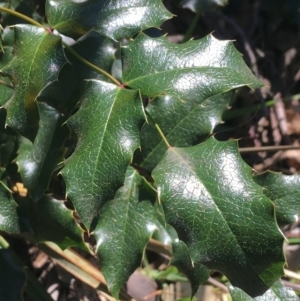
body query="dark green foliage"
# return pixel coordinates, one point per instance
(135, 152)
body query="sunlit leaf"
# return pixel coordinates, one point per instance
(107, 126)
(222, 215)
(278, 292)
(37, 161)
(183, 124)
(284, 192)
(8, 208)
(38, 59)
(193, 71)
(112, 18)
(125, 226)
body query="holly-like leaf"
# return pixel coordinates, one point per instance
(38, 59)
(284, 192)
(193, 71)
(200, 5)
(183, 124)
(125, 225)
(115, 19)
(278, 292)
(66, 92)
(222, 215)
(181, 258)
(37, 161)
(52, 221)
(107, 127)
(8, 208)
(6, 88)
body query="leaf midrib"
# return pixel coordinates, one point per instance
(182, 69)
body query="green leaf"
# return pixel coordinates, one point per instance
(37, 161)
(200, 5)
(52, 221)
(9, 142)
(9, 221)
(125, 226)
(115, 19)
(38, 59)
(66, 92)
(6, 88)
(192, 71)
(183, 124)
(222, 215)
(12, 277)
(107, 127)
(278, 292)
(284, 192)
(181, 258)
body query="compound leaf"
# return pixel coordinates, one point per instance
(193, 71)
(125, 225)
(9, 221)
(38, 59)
(278, 292)
(107, 127)
(183, 124)
(284, 192)
(222, 215)
(200, 5)
(37, 161)
(115, 19)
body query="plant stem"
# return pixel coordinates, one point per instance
(189, 33)
(21, 16)
(162, 135)
(80, 58)
(70, 49)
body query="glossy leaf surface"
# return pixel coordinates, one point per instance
(200, 5)
(6, 88)
(183, 124)
(8, 208)
(278, 292)
(107, 127)
(52, 221)
(222, 215)
(193, 71)
(284, 192)
(125, 226)
(38, 59)
(37, 161)
(112, 18)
